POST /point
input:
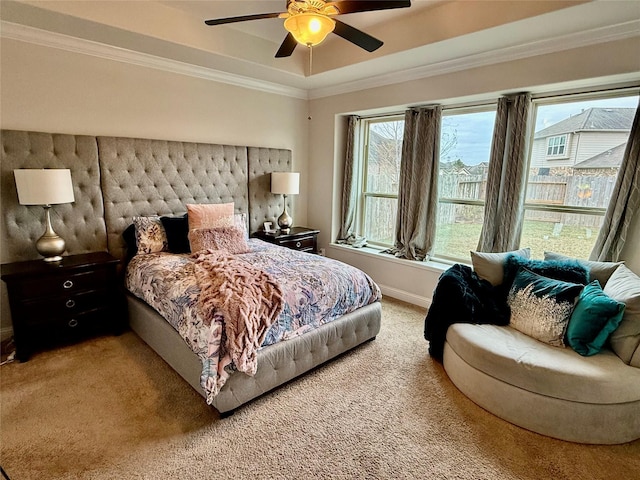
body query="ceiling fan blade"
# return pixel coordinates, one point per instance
(357, 37)
(243, 18)
(287, 47)
(367, 6)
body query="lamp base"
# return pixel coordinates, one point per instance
(50, 245)
(284, 220)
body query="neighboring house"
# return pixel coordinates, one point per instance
(581, 137)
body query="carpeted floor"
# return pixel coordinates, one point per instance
(109, 408)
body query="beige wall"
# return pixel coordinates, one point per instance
(46, 89)
(51, 90)
(590, 66)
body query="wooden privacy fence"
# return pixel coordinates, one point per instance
(577, 191)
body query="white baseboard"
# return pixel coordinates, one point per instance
(405, 296)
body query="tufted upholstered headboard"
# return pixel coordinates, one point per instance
(81, 224)
(117, 178)
(148, 177)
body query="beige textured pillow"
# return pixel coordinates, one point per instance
(230, 239)
(624, 286)
(490, 266)
(150, 235)
(600, 271)
(206, 215)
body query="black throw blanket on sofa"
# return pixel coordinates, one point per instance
(462, 297)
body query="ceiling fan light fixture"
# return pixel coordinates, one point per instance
(309, 28)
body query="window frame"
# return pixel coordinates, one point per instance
(463, 110)
(363, 151)
(558, 99)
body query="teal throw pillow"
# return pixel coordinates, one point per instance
(541, 306)
(594, 318)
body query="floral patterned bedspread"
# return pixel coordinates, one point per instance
(316, 291)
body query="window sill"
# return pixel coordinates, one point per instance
(376, 252)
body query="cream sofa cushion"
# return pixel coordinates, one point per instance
(521, 361)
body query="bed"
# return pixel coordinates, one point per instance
(121, 178)
(327, 308)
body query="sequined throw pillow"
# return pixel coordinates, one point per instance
(541, 307)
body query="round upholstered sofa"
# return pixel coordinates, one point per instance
(549, 390)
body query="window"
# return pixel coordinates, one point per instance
(566, 202)
(464, 158)
(382, 142)
(576, 148)
(465, 146)
(556, 146)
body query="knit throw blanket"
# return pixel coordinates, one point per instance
(241, 297)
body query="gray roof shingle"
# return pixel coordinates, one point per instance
(607, 159)
(591, 119)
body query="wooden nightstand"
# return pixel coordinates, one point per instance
(64, 301)
(299, 238)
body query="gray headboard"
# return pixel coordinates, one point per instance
(81, 223)
(115, 179)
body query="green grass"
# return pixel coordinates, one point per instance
(456, 240)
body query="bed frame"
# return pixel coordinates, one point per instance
(117, 178)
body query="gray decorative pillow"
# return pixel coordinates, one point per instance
(624, 286)
(490, 266)
(600, 271)
(150, 235)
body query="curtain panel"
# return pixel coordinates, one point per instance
(349, 186)
(624, 203)
(418, 184)
(507, 176)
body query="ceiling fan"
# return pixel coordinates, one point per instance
(310, 21)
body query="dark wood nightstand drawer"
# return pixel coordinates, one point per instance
(38, 311)
(69, 329)
(63, 284)
(305, 243)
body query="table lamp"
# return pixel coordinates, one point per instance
(285, 183)
(45, 187)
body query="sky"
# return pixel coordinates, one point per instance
(474, 130)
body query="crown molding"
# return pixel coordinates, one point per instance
(583, 38)
(60, 41)
(559, 43)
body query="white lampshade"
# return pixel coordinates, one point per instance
(44, 186)
(287, 183)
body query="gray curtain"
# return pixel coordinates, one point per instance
(349, 187)
(507, 176)
(418, 189)
(624, 202)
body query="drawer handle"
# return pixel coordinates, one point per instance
(67, 284)
(298, 244)
(70, 303)
(73, 323)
